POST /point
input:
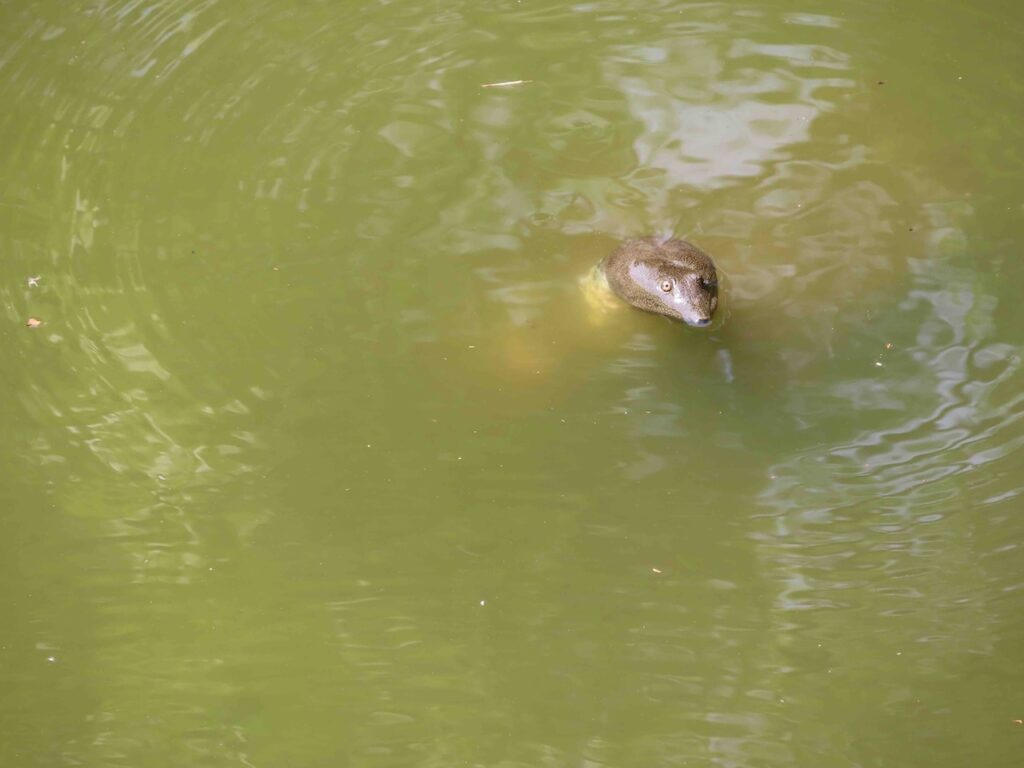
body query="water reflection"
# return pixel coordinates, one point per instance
(342, 465)
(141, 418)
(943, 406)
(899, 520)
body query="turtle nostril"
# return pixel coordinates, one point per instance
(700, 322)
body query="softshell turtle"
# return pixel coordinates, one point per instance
(669, 277)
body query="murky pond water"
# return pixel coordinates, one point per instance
(319, 457)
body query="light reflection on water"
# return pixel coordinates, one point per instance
(337, 452)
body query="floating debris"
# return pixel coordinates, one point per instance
(33, 282)
(505, 83)
(33, 322)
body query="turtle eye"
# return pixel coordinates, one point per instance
(666, 285)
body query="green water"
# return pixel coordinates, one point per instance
(319, 457)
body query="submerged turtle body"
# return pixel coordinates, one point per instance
(668, 277)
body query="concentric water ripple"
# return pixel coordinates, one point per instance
(317, 455)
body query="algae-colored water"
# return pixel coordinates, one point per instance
(320, 458)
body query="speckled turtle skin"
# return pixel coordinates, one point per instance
(667, 277)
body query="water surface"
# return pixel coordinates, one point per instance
(319, 456)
